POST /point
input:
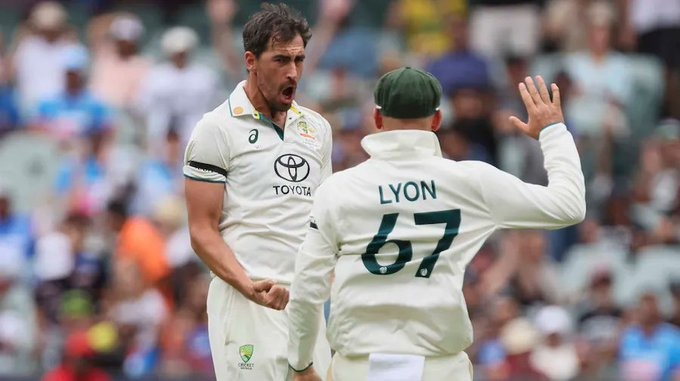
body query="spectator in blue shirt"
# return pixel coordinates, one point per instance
(9, 112)
(16, 231)
(460, 68)
(75, 112)
(650, 349)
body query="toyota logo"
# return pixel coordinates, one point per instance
(291, 167)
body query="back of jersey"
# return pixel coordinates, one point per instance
(406, 229)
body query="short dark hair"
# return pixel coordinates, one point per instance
(277, 22)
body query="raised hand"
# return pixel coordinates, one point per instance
(541, 109)
(268, 294)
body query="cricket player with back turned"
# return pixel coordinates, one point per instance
(398, 230)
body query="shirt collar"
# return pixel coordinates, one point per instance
(240, 106)
(402, 144)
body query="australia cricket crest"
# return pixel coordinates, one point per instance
(246, 354)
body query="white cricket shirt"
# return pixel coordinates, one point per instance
(269, 174)
(398, 231)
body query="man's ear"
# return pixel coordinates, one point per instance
(377, 118)
(436, 121)
(250, 60)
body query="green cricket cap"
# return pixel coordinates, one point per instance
(407, 93)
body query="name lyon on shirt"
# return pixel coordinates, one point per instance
(409, 191)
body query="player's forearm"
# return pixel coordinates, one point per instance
(565, 178)
(309, 290)
(303, 326)
(522, 205)
(217, 255)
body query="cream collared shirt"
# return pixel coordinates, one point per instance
(269, 176)
(398, 231)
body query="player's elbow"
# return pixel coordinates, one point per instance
(579, 213)
(575, 213)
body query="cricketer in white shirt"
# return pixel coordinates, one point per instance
(269, 178)
(269, 174)
(252, 167)
(398, 230)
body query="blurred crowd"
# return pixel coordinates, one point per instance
(98, 97)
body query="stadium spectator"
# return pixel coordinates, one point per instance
(602, 81)
(491, 354)
(16, 230)
(423, 27)
(460, 67)
(63, 263)
(158, 177)
(565, 25)
(138, 311)
(85, 179)
(18, 322)
(675, 292)
(555, 355)
(535, 281)
(499, 27)
(657, 184)
(9, 111)
(139, 242)
(37, 62)
(118, 68)
(77, 364)
(518, 338)
(75, 112)
(177, 92)
(650, 349)
(653, 27)
(466, 82)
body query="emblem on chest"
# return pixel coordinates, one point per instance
(291, 167)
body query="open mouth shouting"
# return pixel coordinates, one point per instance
(288, 94)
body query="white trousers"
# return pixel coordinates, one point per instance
(444, 368)
(249, 342)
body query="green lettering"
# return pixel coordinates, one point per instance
(396, 191)
(431, 190)
(415, 187)
(382, 197)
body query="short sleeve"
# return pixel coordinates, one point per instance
(207, 154)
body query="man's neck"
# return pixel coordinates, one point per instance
(260, 104)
